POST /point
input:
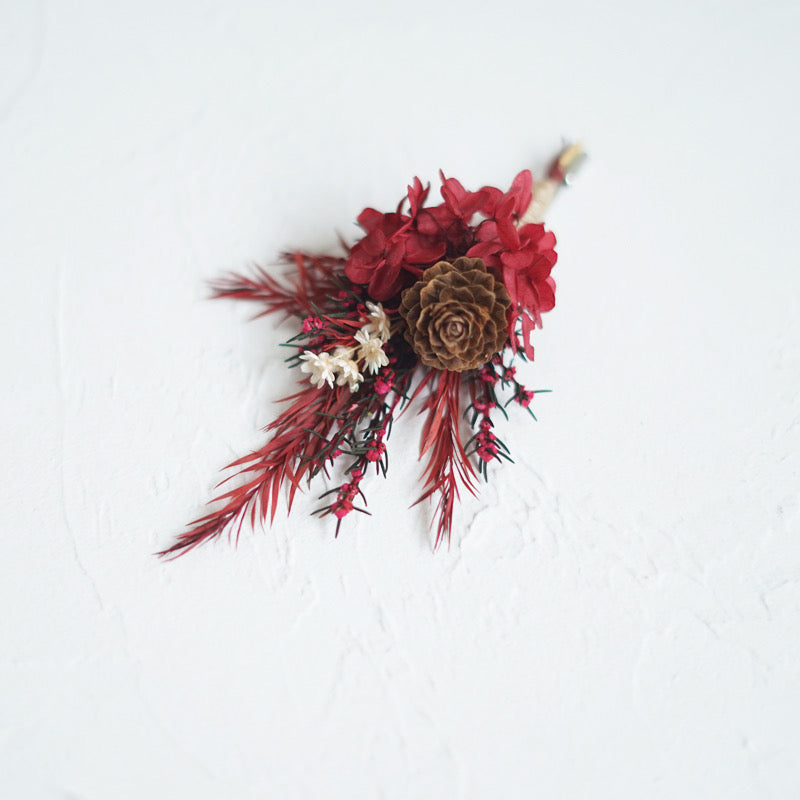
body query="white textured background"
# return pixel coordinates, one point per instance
(619, 614)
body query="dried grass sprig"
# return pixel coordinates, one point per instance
(300, 437)
(448, 466)
(307, 288)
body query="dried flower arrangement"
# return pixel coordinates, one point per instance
(434, 300)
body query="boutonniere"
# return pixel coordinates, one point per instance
(431, 307)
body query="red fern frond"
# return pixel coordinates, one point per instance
(298, 449)
(448, 466)
(313, 281)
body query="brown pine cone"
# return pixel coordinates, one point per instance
(456, 315)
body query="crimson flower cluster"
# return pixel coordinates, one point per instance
(399, 246)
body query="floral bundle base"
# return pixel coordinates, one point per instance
(433, 304)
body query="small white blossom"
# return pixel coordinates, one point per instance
(321, 366)
(371, 350)
(380, 322)
(347, 370)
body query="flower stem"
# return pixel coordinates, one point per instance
(561, 173)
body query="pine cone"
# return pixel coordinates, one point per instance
(456, 315)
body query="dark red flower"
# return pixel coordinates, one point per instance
(393, 252)
(525, 397)
(399, 246)
(463, 204)
(312, 324)
(525, 257)
(375, 450)
(483, 404)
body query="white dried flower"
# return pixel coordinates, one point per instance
(321, 366)
(379, 321)
(371, 350)
(346, 369)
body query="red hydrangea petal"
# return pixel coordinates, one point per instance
(482, 250)
(369, 219)
(491, 197)
(427, 224)
(507, 232)
(547, 295)
(420, 252)
(519, 260)
(536, 232)
(385, 283)
(417, 195)
(459, 201)
(522, 191)
(528, 327)
(487, 231)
